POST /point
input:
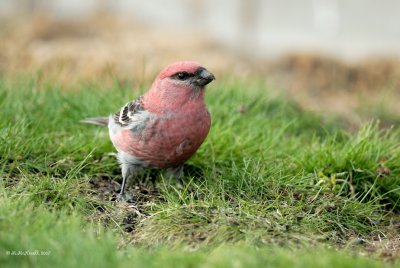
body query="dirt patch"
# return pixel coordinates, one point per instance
(384, 244)
(140, 192)
(140, 195)
(127, 214)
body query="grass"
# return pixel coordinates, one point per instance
(271, 186)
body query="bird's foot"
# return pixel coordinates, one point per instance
(126, 197)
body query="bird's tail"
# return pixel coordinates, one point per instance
(100, 121)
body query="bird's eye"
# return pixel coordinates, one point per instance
(182, 76)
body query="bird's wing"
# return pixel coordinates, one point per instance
(128, 114)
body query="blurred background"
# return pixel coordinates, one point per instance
(337, 57)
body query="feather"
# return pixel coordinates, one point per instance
(127, 113)
(100, 121)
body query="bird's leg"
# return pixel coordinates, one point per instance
(125, 176)
(128, 171)
(177, 173)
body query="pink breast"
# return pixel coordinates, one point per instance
(165, 142)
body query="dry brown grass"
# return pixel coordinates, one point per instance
(355, 91)
(102, 47)
(109, 48)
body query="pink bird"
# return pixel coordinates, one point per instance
(164, 127)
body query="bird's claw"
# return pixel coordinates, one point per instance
(124, 197)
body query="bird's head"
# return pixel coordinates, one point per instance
(186, 74)
(179, 83)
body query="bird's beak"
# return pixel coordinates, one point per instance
(203, 77)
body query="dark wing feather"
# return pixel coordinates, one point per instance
(125, 116)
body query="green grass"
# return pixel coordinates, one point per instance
(271, 186)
